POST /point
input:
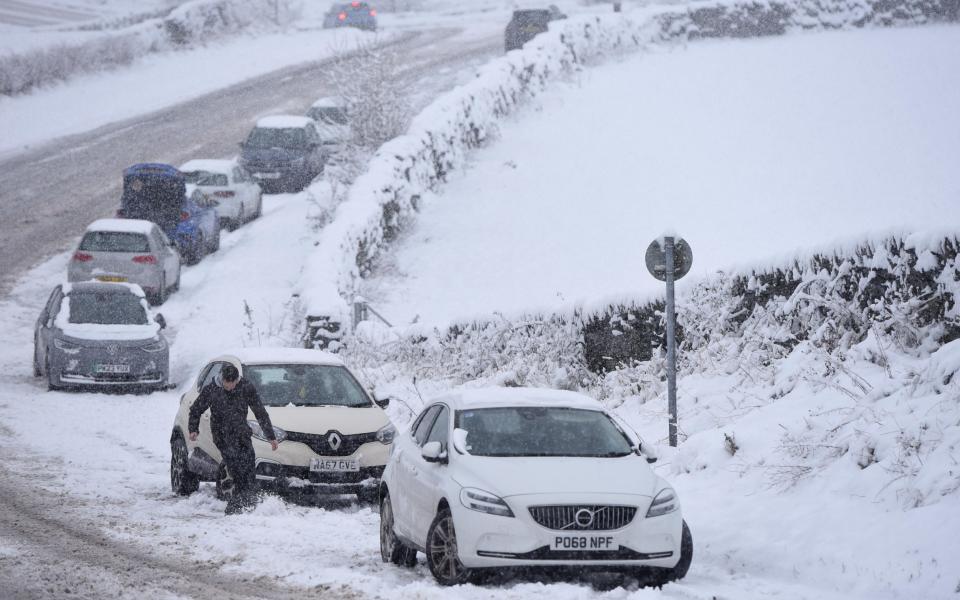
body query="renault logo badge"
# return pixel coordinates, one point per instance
(335, 440)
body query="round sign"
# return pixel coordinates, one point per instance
(657, 259)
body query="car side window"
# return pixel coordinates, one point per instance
(51, 302)
(438, 433)
(206, 377)
(424, 424)
(55, 305)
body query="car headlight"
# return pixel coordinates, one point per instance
(386, 434)
(68, 347)
(158, 346)
(663, 503)
(258, 432)
(484, 502)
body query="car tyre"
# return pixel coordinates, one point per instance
(259, 211)
(224, 485)
(51, 385)
(183, 481)
(665, 576)
(216, 242)
(161, 296)
(443, 556)
(393, 550)
(196, 253)
(36, 363)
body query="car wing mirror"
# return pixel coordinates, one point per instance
(160, 321)
(648, 452)
(382, 402)
(432, 452)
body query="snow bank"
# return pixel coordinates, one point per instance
(438, 140)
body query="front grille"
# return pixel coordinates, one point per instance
(583, 517)
(321, 443)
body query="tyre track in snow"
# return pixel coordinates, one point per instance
(49, 550)
(51, 193)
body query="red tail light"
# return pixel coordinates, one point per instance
(184, 215)
(373, 13)
(354, 4)
(82, 257)
(223, 194)
(342, 16)
(146, 259)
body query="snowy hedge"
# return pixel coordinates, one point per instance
(191, 23)
(387, 195)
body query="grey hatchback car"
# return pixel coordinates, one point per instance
(98, 334)
(127, 250)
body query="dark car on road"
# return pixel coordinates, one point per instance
(353, 14)
(158, 193)
(98, 334)
(284, 153)
(527, 24)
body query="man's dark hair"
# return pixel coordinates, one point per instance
(230, 373)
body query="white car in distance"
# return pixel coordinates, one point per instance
(494, 478)
(239, 198)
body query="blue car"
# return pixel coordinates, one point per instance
(157, 192)
(352, 14)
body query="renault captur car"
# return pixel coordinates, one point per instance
(494, 478)
(98, 334)
(334, 436)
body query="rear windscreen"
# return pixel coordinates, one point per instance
(205, 178)
(114, 241)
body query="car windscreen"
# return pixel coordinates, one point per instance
(114, 241)
(306, 385)
(268, 137)
(532, 17)
(205, 178)
(332, 115)
(106, 308)
(542, 431)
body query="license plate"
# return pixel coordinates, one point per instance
(113, 368)
(267, 175)
(334, 465)
(583, 543)
(111, 278)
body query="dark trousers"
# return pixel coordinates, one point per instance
(240, 459)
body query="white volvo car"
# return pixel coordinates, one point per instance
(494, 478)
(334, 437)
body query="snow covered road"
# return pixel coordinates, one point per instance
(50, 193)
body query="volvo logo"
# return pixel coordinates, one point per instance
(112, 349)
(583, 518)
(335, 440)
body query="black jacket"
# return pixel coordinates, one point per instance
(228, 412)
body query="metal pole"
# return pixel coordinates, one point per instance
(671, 344)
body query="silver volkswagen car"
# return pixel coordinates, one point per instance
(127, 250)
(100, 334)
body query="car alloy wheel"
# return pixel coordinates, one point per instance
(392, 550)
(443, 557)
(182, 481)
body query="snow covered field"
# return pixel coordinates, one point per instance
(751, 150)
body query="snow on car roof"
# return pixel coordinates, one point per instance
(330, 102)
(224, 167)
(284, 122)
(493, 397)
(253, 356)
(122, 226)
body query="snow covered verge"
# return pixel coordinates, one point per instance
(191, 23)
(404, 169)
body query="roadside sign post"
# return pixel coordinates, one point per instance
(668, 259)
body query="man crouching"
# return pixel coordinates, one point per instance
(228, 397)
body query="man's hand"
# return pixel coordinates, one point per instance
(273, 445)
(193, 436)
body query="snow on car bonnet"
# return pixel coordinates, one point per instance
(330, 103)
(284, 122)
